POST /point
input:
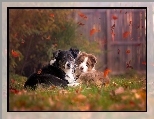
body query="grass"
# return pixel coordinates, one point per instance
(124, 93)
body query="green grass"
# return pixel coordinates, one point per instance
(80, 98)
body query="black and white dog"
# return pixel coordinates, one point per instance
(60, 71)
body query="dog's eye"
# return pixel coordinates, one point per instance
(70, 57)
(87, 64)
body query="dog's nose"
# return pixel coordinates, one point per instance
(69, 65)
(81, 68)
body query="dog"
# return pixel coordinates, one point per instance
(59, 72)
(86, 72)
(85, 63)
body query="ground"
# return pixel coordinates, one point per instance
(123, 93)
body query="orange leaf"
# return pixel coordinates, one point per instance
(114, 17)
(126, 34)
(144, 63)
(14, 53)
(78, 90)
(48, 38)
(52, 15)
(127, 51)
(92, 31)
(13, 91)
(80, 97)
(106, 72)
(82, 15)
(132, 103)
(118, 51)
(79, 23)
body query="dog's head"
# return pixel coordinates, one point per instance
(86, 62)
(64, 59)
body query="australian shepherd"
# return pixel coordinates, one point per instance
(60, 71)
(86, 72)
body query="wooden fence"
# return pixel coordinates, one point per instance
(122, 34)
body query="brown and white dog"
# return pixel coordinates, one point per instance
(86, 72)
(85, 62)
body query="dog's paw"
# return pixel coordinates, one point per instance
(73, 84)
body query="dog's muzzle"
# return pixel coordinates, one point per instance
(69, 65)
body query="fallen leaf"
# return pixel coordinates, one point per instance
(137, 96)
(119, 90)
(15, 53)
(144, 63)
(106, 71)
(92, 31)
(138, 44)
(113, 26)
(15, 91)
(130, 22)
(78, 90)
(52, 15)
(134, 91)
(84, 107)
(82, 15)
(127, 51)
(138, 26)
(81, 24)
(80, 97)
(126, 34)
(118, 51)
(132, 103)
(128, 65)
(63, 92)
(114, 17)
(51, 102)
(125, 97)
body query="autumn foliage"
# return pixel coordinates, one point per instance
(35, 33)
(119, 95)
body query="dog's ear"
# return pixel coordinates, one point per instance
(74, 52)
(55, 53)
(93, 58)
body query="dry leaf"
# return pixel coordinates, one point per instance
(63, 92)
(126, 34)
(51, 102)
(80, 97)
(84, 107)
(120, 90)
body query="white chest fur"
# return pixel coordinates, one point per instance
(69, 75)
(70, 78)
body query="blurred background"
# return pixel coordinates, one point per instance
(117, 37)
